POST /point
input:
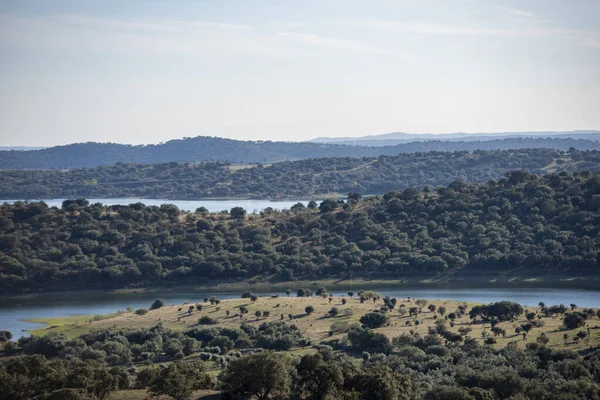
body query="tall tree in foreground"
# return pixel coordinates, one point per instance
(264, 375)
(180, 380)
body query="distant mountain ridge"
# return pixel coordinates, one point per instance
(201, 148)
(19, 148)
(394, 138)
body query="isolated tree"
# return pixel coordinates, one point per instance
(5, 336)
(464, 330)
(328, 205)
(237, 213)
(309, 309)
(158, 303)
(574, 320)
(304, 292)
(354, 196)
(421, 303)
(374, 320)
(582, 334)
(206, 320)
(542, 339)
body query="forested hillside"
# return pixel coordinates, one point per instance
(522, 224)
(297, 179)
(87, 155)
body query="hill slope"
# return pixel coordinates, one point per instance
(87, 155)
(292, 179)
(524, 224)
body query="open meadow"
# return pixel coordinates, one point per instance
(319, 325)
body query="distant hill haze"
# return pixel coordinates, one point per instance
(19, 148)
(313, 178)
(89, 155)
(394, 138)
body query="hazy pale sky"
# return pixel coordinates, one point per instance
(133, 71)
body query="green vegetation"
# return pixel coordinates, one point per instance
(89, 155)
(297, 179)
(469, 356)
(158, 303)
(521, 224)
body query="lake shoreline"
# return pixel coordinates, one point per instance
(29, 312)
(588, 282)
(320, 197)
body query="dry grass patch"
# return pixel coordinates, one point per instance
(317, 325)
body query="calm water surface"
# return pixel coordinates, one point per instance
(13, 311)
(187, 205)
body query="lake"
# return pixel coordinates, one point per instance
(14, 310)
(186, 205)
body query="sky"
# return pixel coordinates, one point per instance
(149, 71)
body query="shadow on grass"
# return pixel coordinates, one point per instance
(299, 316)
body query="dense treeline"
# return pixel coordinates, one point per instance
(88, 155)
(445, 363)
(295, 179)
(522, 223)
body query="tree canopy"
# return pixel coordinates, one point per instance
(521, 224)
(292, 179)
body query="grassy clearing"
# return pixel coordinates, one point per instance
(72, 326)
(317, 325)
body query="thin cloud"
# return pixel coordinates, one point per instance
(287, 25)
(424, 28)
(454, 30)
(594, 44)
(523, 15)
(518, 12)
(82, 34)
(149, 25)
(343, 45)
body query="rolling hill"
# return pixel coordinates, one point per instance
(89, 155)
(289, 179)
